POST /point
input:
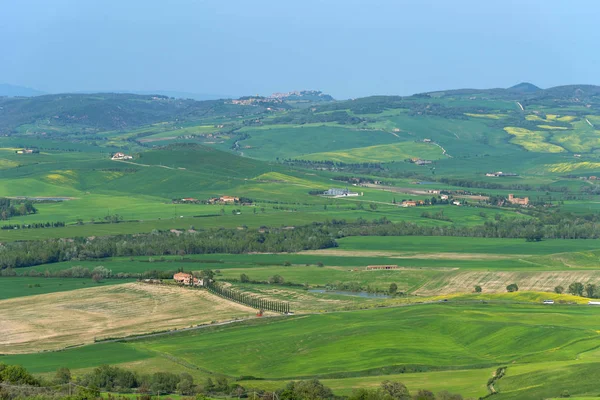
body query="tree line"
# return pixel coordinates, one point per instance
(232, 241)
(590, 290)
(280, 240)
(18, 383)
(248, 299)
(35, 225)
(11, 208)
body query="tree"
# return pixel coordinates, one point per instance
(559, 290)
(87, 393)
(222, 384)
(373, 206)
(368, 394)
(512, 288)
(445, 395)
(393, 288)
(478, 289)
(424, 395)
(164, 382)
(209, 385)
(207, 274)
(396, 390)
(590, 290)
(244, 278)
(62, 376)
(17, 375)
(185, 386)
(576, 288)
(276, 279)
(306, 390)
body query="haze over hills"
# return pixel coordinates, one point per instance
(15, 90)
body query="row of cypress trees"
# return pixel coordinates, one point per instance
(249, 300)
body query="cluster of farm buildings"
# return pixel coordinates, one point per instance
(500, 174)
(27, 151)
(185, 279)
(212, 200)
(340, 193)
(120, 156)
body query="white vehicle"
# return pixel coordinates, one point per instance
(548, 301)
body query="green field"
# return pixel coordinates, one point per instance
(466, 245)
(388, 341)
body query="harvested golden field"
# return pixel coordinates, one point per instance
(56, 320)
(496, 282)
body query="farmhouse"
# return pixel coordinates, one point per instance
(412, 203)
(379, 267)
(190, 199)
(418, 161)
(518, 200)
(224, 200)
(500, 174)
(339, 193)
(187, 279)
(27, 151)
(121, 156)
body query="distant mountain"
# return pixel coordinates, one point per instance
(574, 91)
(524, 87)
(16, 91)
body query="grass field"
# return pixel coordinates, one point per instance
(465, 245)
(297, 141)
(464, 342)
(381, 153)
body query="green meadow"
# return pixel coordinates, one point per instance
(454, 345)
(466, 245)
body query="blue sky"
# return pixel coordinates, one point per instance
(346, 48)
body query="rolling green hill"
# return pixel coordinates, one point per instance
(419, 195)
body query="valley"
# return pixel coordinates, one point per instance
(234, 192)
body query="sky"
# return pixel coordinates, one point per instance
(345, 48)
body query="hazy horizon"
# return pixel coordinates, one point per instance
(346, 49)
